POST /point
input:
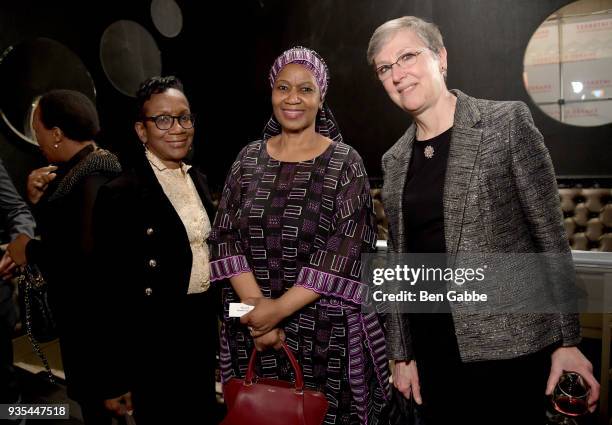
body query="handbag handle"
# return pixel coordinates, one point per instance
(299, 379)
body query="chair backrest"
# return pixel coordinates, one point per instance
(587, 217)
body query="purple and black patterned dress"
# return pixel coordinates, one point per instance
(305, 223)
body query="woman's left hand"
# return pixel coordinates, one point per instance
(17, 249)
(264, 317)
(570, 359)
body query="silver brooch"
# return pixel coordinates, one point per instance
(429, 151)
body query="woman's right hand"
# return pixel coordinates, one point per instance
(7, 265)
(406, 379)
(120, 405)
(38, 180)
(17, 249)
(273, 339)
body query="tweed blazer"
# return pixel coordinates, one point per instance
(500, 196)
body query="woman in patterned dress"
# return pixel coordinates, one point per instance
(294, 218)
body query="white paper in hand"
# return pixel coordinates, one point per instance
(239, 309)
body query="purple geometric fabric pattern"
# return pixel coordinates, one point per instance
(228, 267)
(305, 223)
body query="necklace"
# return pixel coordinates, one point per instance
(429, 151)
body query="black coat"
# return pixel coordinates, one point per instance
(64, 255)
(159, 342)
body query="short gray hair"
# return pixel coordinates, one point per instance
(428, 32)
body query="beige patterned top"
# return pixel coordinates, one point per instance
(182, 193)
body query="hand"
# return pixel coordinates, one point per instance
(264, 317)
(406, 379)
(38, 181)
(7, 265)
(120, 405)
(570, 359)
(17, 249)
(272, 339)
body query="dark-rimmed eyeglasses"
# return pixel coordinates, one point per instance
(404, 61)
(165, 122)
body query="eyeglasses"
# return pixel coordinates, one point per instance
(165, 122)
(404, 61)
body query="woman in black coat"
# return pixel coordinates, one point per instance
(151, 229)
(63, 195)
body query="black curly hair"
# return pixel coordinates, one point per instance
(155, 85)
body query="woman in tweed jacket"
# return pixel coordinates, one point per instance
(469, 175)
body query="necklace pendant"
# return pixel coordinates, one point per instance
(429, 151)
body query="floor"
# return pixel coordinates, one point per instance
(37, 389)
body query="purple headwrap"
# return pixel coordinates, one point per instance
(307, 58)
(325, 123)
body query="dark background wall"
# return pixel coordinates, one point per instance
(224, 52)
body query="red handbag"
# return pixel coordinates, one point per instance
(263, 401)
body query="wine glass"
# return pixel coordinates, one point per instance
(570, 398)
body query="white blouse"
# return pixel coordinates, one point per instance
(182, 193)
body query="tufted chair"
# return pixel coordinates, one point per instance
(587, 218)
(381, 219)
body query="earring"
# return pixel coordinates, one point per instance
(56, 145)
